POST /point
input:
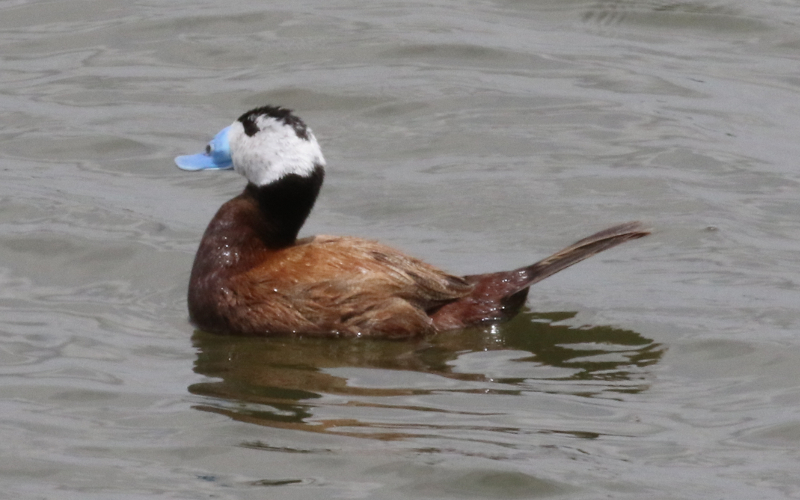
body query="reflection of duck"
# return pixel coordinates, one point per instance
(252, 276)
(279, 382)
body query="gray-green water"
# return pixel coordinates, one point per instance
(478, 135)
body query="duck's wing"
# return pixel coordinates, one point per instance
(348, 286)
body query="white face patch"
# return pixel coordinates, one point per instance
(273, 152)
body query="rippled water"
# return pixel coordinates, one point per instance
(478, 135)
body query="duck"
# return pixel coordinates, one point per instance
(253, 276)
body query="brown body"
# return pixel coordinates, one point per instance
(247, 281)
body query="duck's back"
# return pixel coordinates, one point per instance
(323, 285)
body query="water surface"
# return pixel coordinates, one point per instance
(478, 135)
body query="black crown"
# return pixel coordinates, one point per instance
(283, 115)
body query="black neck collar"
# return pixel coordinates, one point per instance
(285, 204)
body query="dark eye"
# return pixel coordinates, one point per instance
(208, 149)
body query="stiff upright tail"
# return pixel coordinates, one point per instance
(583, 249)
(499, 296)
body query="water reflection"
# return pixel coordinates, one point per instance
(282, 382)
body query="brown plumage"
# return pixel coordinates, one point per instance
(252, 276)
(328, 285)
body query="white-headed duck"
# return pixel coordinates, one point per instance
(252, 276)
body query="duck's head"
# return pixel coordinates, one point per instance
(264, 145)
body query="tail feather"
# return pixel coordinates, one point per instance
(499, 296)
